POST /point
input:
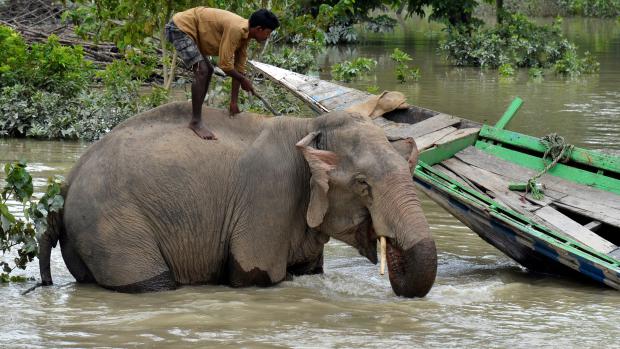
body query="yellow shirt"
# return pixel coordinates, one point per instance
(217, 33)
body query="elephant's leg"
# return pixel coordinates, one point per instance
(126, 260)
(133, 270)
(238, 276)
(256, 262)
(312, 267)
(74, 262)
(161, 282)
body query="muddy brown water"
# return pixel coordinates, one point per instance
(481, 298)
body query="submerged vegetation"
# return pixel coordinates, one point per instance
(349, 70)
(20, 235)
(403, 71)
(516, 42)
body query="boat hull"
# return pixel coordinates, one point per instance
(537, 255)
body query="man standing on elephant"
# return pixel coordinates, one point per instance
(203, 31)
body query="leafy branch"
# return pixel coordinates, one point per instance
(20, 233)
(349, 70)
(403, 71)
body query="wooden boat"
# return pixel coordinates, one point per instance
(468, 168)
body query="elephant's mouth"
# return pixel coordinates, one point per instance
(366, 240)
(411, 271)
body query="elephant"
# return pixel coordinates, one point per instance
(151, 207)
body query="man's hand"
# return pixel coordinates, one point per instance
(234, 109)
(246, 85)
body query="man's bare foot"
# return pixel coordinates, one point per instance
(201, 130)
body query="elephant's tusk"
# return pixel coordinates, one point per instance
(383, 254)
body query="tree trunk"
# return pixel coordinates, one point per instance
(168, 72)
(171, 71)
(499, 9)
(164, 56)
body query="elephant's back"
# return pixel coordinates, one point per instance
(161, 137)
(155, 156)
(172, 119)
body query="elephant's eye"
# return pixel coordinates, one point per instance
(360, 186)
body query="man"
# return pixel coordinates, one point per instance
(203, 31)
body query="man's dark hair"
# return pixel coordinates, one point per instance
(264, 18)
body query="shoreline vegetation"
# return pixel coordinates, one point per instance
(75, 71)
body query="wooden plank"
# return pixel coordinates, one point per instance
(574, 229)
(556, 187)
(510, 173)
(428, 140)
(326, 92)
(463, 181)
(545, 215)
(271, 71)
(580, 155)
(342, 101)
(460, 133)
(509, 113)
(496, 185)
(445, 151)
(421, 128)
(567, 172)
(591, 208)
(593, 226)
(590, 202)
(290, 81)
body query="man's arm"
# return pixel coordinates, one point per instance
(238, 80)
(232, 61)
(234, 97)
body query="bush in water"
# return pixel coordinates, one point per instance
(348, 70)
(592, 8)
(17, 234)
(403, 71)
(519, 42)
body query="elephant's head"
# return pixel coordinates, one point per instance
(361, 189)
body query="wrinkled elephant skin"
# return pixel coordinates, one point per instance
(151, 206)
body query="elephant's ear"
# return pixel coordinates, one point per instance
(413, 157)
(320, 162)
(408, 148)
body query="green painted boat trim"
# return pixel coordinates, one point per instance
(445, 151)
(513, 108)
(513, 218)
(583, 156)
(573, 174)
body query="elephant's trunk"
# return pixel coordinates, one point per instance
(411, 253)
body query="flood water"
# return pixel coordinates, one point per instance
(481, 299)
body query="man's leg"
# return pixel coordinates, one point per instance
(203, 71)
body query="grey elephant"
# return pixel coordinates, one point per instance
(151, 206)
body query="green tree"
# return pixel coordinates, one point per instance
(132, 23)
(454, 12)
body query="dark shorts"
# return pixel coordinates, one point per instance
(184, 44)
